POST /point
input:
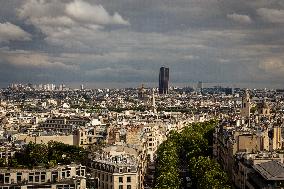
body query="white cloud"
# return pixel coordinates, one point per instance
(60, 21)
(11, 32)
(271, 15)
(223, 61)
(67, 13)
(41, 8)
(29, 59)
(71, 24)
(190, 57)
(83, 11)
(240, 18)
(273, 66)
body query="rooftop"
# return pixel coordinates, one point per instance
(271, 170)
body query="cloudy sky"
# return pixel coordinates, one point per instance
(124, 42)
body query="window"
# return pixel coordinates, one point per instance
(120, 187)
(128, 179)
(7, 180)
(1, 178)
(128, 186)
(42, 178)
(19, 177)
(110, 178)
(31, 178)
(120, 179)
(37, 178)
(54, 176)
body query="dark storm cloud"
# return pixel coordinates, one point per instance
(128, 40)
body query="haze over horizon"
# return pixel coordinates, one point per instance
(236, 42)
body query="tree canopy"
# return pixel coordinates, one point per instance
(47, 155)
(191, 149)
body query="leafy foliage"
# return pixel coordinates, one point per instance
(167, 166)
(192, 145)
(207, 173)
(48, 155)
(2, 162)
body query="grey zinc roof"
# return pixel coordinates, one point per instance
(271, 170)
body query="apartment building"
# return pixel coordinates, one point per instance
(60, 177)
(258, 170)
(154, 138)
(119, 167)
(62, 124)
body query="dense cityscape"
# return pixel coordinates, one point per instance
(134, 138)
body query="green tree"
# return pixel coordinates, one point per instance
(49, 155)
(13, 162)
(2, 162)
(193, 144)
(207, 174)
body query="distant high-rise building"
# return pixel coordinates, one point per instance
(61, 87)
(164, 76)
(200, 86)
(141, 92)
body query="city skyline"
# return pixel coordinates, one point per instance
(124, 43)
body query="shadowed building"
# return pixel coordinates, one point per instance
(164, 80)
(57, 177)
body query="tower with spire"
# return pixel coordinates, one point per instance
(245, 110)
(153, 106)
(141, 92)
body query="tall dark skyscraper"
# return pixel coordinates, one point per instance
(164, 76)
